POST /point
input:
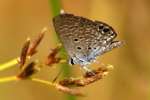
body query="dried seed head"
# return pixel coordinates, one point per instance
(24, 51)
(69, 90)
(28, 70)
(110, 67)
(52, 56)
(32, 49)
(87, 79)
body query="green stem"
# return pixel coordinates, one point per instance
(14, 78)
(43, 82)
(56, 7)
(8, 79)
(8, 64)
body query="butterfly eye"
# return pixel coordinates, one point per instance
(105, 30)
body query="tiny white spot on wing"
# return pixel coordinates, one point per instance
(62, 11)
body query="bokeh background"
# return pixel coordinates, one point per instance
(129, 79)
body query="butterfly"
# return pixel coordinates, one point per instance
(84, 39)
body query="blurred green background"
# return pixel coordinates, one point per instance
(129, 79)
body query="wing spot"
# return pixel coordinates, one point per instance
(79, 48)
(75, 39)
(89, 48)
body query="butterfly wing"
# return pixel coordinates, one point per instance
(82, 38)
(76, 33)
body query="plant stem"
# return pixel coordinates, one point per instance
(8, 79)
(43, 81)
(56, 7)
(14, 78)
(8, 64)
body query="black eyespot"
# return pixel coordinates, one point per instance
(75, 39)
(79, 48)
(105, 29)
(94, 48)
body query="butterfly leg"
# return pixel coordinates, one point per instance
(88, 71)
